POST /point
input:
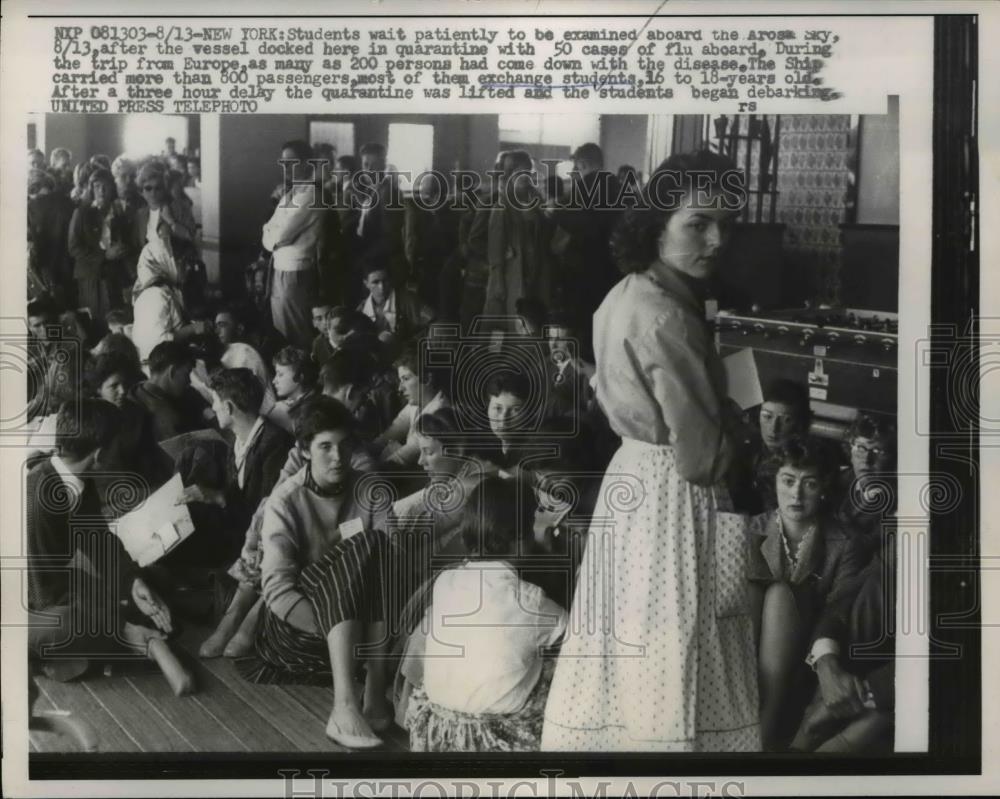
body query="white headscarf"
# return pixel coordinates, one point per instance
(156, 265)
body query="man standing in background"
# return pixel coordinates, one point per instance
(291, 235)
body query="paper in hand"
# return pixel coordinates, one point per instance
(157, 526)
(742, 380)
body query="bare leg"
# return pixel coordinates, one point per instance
(779, 645)
(244, 600)
(242, 642)
(377, 709)
(152, 642)
(347, 725)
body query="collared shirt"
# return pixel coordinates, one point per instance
(241, 448)
(791, 566)
(561, 369)
(72, 481)
(385, 316)
(292, 232)
(153, 225)
(659, 378)
(792, 559)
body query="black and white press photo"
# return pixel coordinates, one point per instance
(394, 397)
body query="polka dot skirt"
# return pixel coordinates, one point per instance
(652, 661)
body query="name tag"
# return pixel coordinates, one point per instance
(351, 527)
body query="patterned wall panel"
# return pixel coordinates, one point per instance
(814, 155)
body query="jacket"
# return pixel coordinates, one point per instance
(829, 563)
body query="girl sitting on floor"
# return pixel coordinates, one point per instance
(801, 561)
(485, 680)
(314, 612)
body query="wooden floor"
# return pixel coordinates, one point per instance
(135, 711)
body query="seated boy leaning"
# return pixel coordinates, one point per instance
(87, 599)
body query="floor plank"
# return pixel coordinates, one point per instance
(290, 718)
(254, 730)
(43, 740)
(318, 702)
(199, 727)
(75, 698)
(138, 716)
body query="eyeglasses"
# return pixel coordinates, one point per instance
(864, 449)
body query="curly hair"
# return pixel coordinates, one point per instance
(869, 425)
(804, 452)
(306, 372)
(635, 241)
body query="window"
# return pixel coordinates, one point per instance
(568, 130)
(338, 134)
(411, 151)
(146, 135)
(36, 132)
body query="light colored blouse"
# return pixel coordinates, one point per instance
(403, 430)
(659, 378)
(482, 654)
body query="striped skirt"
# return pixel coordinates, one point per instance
(343, 585)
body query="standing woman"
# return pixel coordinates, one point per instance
(97, 244)
(660, 654)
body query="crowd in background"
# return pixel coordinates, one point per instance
(355, 366)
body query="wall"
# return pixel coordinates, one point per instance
(250, 171)
(623, 139)
(813, 156)
(249, 147)
(878, 168)
(85, 134)
(90, 134)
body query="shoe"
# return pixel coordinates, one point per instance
(337, 735)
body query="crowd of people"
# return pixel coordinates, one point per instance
(637, 563)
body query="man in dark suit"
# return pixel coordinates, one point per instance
(258, 453)
(589, 218)
(86, 597)
(430, 238)
(852, 653)
(372, 217)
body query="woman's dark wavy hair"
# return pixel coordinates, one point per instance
(635, 242)
(805, 452)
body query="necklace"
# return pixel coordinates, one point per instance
(793, 557)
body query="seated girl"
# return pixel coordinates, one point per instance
(800, 561)
(485, 681)
(420, 386)
(564, 497)
(294, 382)
(317, 592)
